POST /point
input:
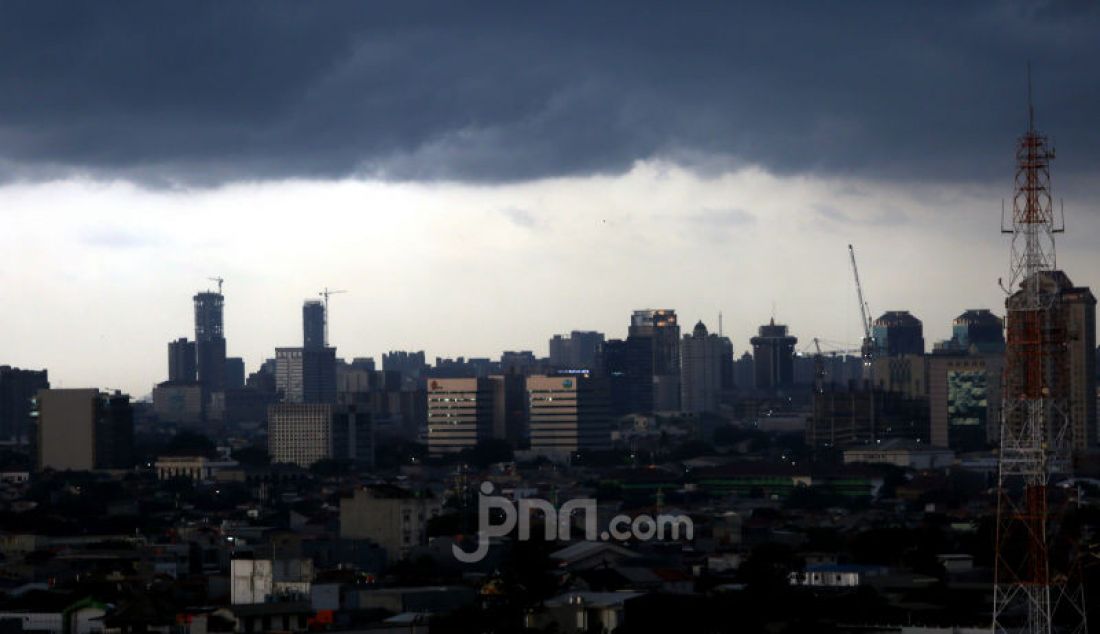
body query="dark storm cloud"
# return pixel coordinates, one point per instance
(210, 92)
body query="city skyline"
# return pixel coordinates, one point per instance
(734, 213)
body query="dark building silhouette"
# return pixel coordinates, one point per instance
(1069, 359)
(898, 332)
(660, 327)
(773, 357)
(313, 325)
(210, 341)
(306, 376)
(234, 373)
(17, 391)
(980, 328)
(579, 350)
(182, 360)
(84, 429)
(410, 364)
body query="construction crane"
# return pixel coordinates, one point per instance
(325, 293)
(220, 281)
(819, 361)
(865, 316)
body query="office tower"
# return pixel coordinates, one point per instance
(898, 332)
(1071, 365)
(579, 350)
(84, 429)
(661, 328)
(773, 357)
(905, 373)
(306, 376)
(303, 433)
(234, 373)
(744, 372)
(313, 325)
(568, 413)
(964, 391)
(182, 360)
(17, 391)
(728, 377)
(613, 368)
(210, 341)
(701, 362)
(460, 413)
(510, 409)
(980, 328)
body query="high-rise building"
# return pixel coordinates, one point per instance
(210, 341)
(303, 433)
(84, 429)
(410, 364)
(182, 360)
(964, 392)
(234, 373)
(1072, 366)
(306, 376)
(313, 325)
(980, 328)
(568, 413)
(701, 363)
(510, 409)
(773, 357)
(661, 327)
(898, 332)
(17, 390)
(460, 413)
(579, 350)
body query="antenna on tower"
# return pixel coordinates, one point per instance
(1030, 103)
(325, 293)
(219, 280)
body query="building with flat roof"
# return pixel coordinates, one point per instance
(568, 413)
(304, 433)
(703, 358)
(181, 361)
(17, 390)
(84, 429)
(306, 375)
(660, 327)
(460, 413)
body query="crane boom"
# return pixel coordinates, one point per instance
(325, 293)
(864, 309)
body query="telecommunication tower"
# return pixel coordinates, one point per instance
(1035, 589)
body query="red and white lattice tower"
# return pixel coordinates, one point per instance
(1035, 590)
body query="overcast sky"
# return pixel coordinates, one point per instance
(482, 175)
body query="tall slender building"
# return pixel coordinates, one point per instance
(181, 361)
(313, 325)
(660, 327)
(773, 356)
(210, 341)
(701, 361)
(17, 390)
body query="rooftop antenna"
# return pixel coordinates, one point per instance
(325, 293)
(719, 323)
(1030, 104)
(219, 280)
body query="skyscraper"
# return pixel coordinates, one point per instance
(568, 413)
(182, 361)
(210, 341)
(313, 325)
(306, 375)
(980, 328)
(773, 356)
(898, 332)
(17, 390)
(234, 373)
(660, 327)
(460, 413)
(701, 365)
